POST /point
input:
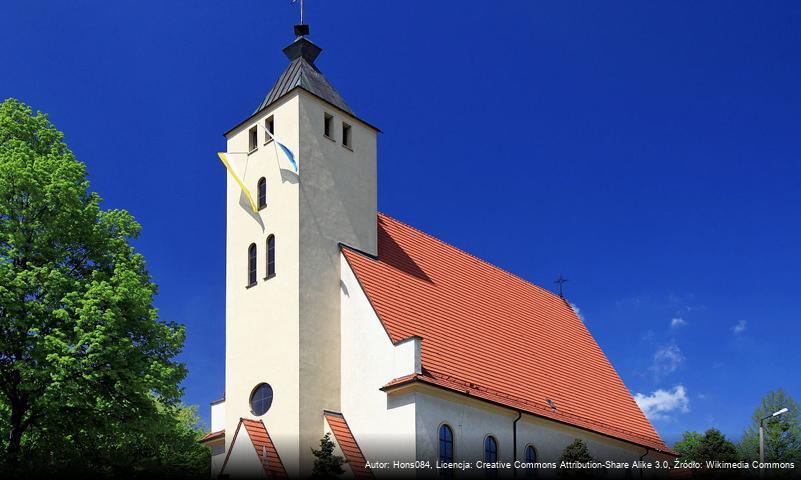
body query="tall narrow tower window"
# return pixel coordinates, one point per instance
(269, 125)
(252, 264)
(271, 256)
(261, 188)
(346, 140)
(328, 126)
(253, 139)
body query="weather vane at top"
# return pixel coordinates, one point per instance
(301, 29)
(301, 10)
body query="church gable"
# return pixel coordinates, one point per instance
(492, 335)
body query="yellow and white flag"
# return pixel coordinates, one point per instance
(239, 182)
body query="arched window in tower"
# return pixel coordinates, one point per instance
(261, 188)
(252, 264)
(271, 256)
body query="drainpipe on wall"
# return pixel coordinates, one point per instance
(643, 456)
(514, 442)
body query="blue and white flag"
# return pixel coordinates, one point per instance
(287, 151)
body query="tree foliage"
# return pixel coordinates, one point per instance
(688, 446)
(87, 368)
(326, 464)
(782, 433)
(577, 451)
(712, 445)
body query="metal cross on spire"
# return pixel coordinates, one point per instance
(561, 281)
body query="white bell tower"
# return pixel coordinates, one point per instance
(282, 341)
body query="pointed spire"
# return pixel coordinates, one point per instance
(302, 73)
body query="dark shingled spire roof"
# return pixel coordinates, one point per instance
(302, 73)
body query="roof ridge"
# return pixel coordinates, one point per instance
(481, 260)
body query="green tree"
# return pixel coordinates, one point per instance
(715, 446)
(577, 452)
(326, 464)
(688, 446)
(782, 433)
(712, 445)
(86, 365)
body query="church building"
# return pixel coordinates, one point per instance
(341, 319)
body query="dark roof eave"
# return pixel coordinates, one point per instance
(255, 114)
(414, 379)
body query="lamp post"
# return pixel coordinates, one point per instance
(762, 437)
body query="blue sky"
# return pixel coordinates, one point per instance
(648, 151)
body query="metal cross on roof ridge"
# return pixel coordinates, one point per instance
(561, 281)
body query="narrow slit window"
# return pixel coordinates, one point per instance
(445, 444)
(491, 454)
(490, 449)
(531, 458)
(271, 256)
(253, 139)
(261, 188)
(252, 264)
(269, 125)
(346, 131)
(328, 126)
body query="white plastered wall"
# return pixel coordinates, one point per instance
(262, 334)
(217, 447)
(218, 416)
(286, 330)
(472, 420)
(337, 204)
(383, 426)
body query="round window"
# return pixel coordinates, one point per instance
(261, 399)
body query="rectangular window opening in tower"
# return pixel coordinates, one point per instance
(269, 125)
(253, 139)
(346, 132)
(328, 126)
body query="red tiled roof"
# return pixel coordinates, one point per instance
(348, 445)
(212, 436)
(265, 449)
(493, 335)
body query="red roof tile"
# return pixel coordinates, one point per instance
(212, 436)
(265, 449)
(493, 335)
(344, 438)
